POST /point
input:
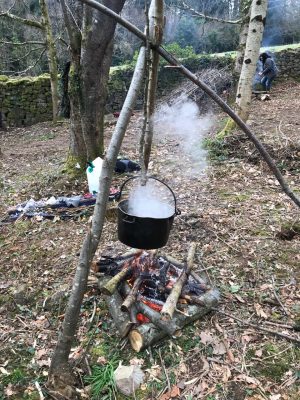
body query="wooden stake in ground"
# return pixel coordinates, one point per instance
(171, 302)
(60, 374)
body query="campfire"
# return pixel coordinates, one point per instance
(151, 295)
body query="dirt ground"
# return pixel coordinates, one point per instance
(248, 235)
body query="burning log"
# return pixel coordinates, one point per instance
(170, 304)
(168, 327)
(111, 266)
(122, 320)
(180, 265)
(130, 299)
(112, 284)
(148, 334)
(125, 290)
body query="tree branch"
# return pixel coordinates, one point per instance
(183, 70)
(197, 14)
(24, 21)
(27, 69)
(21, 43)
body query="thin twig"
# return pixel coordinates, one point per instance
(38, 387)
(277, 297)
(165, 371)
(259, 328)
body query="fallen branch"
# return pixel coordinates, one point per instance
(258, 327)
(277, 297)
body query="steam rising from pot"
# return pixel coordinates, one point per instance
(183, 122)
(148, 202)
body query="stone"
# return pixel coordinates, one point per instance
(128, 378)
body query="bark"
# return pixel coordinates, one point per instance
(59, 362)
(228, 110)
(168, 327)
(254, 38)
(245, 17)
(131, 297)
(121, 319)
(64, 107)
(156, 20)
(113, 283)
(52, 60)
(171, 302)
(91, 47)
(146, 335)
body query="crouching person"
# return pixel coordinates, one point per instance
(269, 71)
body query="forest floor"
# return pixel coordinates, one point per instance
(248, 235)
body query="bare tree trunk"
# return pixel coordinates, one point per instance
(51, 54)
(254, 38)
(59, 362)
(156, 20)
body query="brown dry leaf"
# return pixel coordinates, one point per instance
(9, 390)
(259, 311)
(247, 379)
(275, 397)
(137, 361)
(206, 337)
(219, 348)
(239, 298)
(174, 392)
(40, 353)
(258, 353)
(226, 374)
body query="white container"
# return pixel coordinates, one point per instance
(93, 172)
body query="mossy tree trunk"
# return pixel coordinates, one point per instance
(51, 54)
(91, 45)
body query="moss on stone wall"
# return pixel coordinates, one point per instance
(25, 101)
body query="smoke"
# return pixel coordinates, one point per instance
(181, 121)
(150, 201)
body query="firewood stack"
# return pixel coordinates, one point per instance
(151, 295)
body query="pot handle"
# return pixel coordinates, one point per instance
(177, 211)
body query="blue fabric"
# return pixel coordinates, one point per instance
(267, 82)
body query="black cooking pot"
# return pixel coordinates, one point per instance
(141, 232)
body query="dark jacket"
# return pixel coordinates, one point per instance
(269, 68)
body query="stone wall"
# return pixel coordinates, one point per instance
(168, 78)
(25, 101)
(288, 63)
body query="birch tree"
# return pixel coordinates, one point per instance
(254, 38)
